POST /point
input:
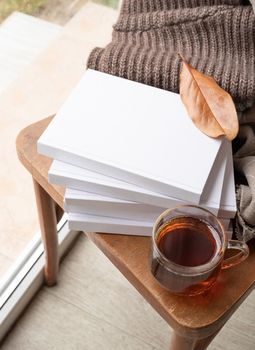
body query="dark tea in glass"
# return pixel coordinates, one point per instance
(188, 248)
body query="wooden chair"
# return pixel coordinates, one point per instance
(195, 320)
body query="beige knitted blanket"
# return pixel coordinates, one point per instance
(244, 161)
(215, 36)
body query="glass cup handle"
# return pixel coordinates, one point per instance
(237, 258)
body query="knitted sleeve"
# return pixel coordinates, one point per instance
(216, 36)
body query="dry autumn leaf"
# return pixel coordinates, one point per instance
(209, 106)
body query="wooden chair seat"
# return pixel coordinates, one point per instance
(195, 320)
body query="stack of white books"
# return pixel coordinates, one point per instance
(126, 152)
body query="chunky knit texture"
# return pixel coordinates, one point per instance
(215, 36)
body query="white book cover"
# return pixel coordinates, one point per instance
(132, 132)
(228, 206)
(77, 178)
(103, 224)
(98, 204)
(95, 223)
(95, 204)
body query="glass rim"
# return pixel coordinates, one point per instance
(189, 270)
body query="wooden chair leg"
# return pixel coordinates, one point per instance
(48, 224)
(181, 343)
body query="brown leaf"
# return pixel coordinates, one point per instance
(209, 106)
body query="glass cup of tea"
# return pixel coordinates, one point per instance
(188, 247)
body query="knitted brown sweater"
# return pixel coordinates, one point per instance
(215, 36)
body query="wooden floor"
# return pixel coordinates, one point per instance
(94, 307)
(35, 94)
(22, 39)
